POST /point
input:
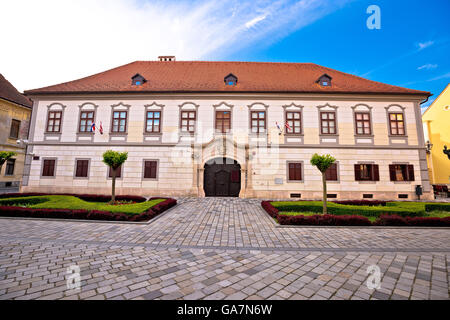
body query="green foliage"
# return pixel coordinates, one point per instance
(23, 201)
(5, 155)
(437, 207)
(322, 162)
(114, 159)
(74, 203)
(341, 209)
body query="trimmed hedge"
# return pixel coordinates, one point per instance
(324, 220)
(11, 211)
(395, 220)
(361, 202)
(437, 207)
(85, 197)
(353, 220)
(18, 201)
(340, 209)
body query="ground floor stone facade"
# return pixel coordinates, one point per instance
(263, 170)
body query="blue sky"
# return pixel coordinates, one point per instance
(411, 49)
(62, 40)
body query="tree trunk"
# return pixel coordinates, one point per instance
(324, 183)
(113, 193)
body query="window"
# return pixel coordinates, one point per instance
(150, 169)
(258, 121)
(48, 168)
(367, 172)
(295, 171)
(9, 170)
(401, 172)
(118, 172)
(82, 167)
(293, 121)
(324, 80)
(153, 121)
(231, 80)
(137, 80)
(15, 127)
(328, 122)
(362, 121)
(331, 173)
(119, 121)
(397, 124)
(188, 121)
(223, 121)
(86, 121)
(54, 121)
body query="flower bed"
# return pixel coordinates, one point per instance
(15, 211)
(352, 219)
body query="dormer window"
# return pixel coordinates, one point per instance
(324, 80)
(138, 80)
(231, 80)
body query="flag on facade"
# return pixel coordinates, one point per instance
(288, 127)
(278, 126)
(93, 127)
(101, 128)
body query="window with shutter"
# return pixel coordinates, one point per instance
(150, 169)
(401, 172)
(118, 172)
(367, 172)
(295, 171)
(82, 167)
(48, 169)
(10, 164)
(14, 130)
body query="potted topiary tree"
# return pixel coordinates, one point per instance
(4, 156)
(114, 160)
(323, 162)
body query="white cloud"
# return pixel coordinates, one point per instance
(254, 21)
(443, 76)
(51, 41)
(423, 45)
(427, 66)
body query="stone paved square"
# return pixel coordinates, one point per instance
(219, 248)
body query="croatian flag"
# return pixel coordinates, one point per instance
(288, 127)
(93, 127)
(101, 128)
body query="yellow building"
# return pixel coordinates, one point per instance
(436, 121)
(15, 115)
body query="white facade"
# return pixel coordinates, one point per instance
(263, 159)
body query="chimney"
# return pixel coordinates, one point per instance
(166, 58)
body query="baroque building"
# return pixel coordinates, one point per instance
(247, 129)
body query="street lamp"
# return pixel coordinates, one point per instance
(428, 145)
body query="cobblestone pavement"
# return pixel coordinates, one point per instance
(219, 248)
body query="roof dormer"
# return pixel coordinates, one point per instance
(324, 80)
(231, 80)
(137, 80)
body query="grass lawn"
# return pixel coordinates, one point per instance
(74, 203)
(372, 213)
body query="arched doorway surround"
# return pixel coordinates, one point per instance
(222, 178)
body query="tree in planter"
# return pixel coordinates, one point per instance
(114, 160)
(4, 156)
(323, 162)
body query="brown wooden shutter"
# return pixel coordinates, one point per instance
(331, 173)
(298, 169)
(291, 171)
(357, 172)
(49, 168)
(118, 172)
(150, 169)
(410, 172)
(392, 172)
(375, 173)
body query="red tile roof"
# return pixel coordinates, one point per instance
(8, 92)
(208, 76)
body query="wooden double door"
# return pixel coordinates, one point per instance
(222, 178)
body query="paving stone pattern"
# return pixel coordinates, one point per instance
(219, 248)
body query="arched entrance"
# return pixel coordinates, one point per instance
(222, 178)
